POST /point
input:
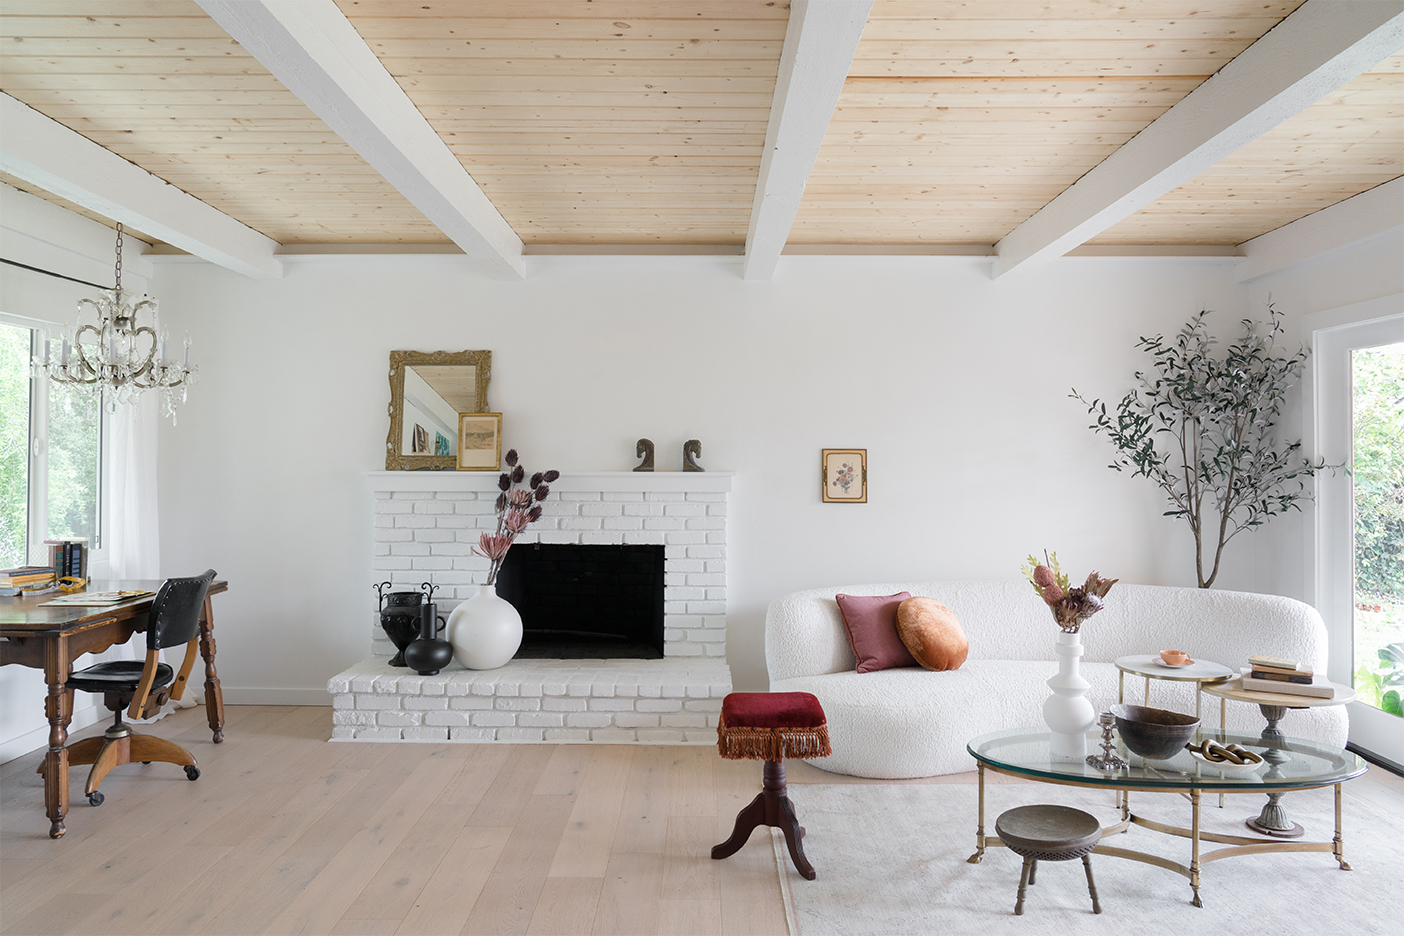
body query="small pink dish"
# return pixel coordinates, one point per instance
(1175, 658)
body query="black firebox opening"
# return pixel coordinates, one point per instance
(584, 602)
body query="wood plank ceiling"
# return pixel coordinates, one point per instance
(615, 123)
(643, 121)
(161, 84)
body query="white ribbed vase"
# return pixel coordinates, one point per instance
(1067, 712)
(485, 630)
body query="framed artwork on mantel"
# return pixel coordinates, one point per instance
(479, 441)
(845, 474)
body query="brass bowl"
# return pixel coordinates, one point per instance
(1151, 732)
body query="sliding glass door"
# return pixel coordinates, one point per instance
(1359, 403)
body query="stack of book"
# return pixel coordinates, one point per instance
(69, 556)
(1285, 677)
(26, 580)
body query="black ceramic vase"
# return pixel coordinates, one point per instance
(399, 615)
(427, 655)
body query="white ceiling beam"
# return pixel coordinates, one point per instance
(45, 153)
(820, 40)
(312, 48)
(1368, 215)
(1318, 48)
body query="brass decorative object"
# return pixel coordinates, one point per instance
(1106, 760)
(692, 450)
(644, 450)
(460, 370)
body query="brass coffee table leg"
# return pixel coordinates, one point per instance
(980, 830)
(1338, 843)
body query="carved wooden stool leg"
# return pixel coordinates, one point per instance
(746, 822)
(1033, 870)
(1023, 887)
(771, 808)
(1091, 886)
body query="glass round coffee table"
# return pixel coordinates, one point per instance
(1302, 765)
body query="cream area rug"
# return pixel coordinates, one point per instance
(891, 859)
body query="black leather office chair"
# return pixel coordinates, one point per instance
(142, 688)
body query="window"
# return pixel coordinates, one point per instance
(50, 453)
(1358, 414)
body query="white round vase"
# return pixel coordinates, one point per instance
(1067, 712)
(485, 630)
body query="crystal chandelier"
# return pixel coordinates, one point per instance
(117, 356)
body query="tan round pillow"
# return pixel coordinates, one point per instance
(932, 634)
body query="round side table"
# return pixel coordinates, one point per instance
(1274, 705)
(1200, 672)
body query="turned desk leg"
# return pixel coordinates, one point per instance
(214, 696)
(58, 706)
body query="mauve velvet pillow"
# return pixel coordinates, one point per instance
(871, 622)
(932, 634)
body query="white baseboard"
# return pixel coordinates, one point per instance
(39, 738)
(260, 695)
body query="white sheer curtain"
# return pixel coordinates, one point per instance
(132, 539)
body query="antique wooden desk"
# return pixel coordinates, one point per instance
(52, 638)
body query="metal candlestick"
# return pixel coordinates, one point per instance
(1106, 760)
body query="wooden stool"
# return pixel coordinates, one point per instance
(1049, 833)
(771, 726)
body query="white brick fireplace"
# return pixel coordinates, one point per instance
(425, 526)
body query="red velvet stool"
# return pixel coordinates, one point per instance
(771, 726)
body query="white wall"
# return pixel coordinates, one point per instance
(956, 385)
(40, 234)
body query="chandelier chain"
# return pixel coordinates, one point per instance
(118, 269)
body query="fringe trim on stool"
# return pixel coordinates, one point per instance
(773, 743)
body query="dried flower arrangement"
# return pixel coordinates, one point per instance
(516, 507)
(1070, 606)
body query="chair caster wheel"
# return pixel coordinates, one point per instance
(192, 773)
(95, 798)
(146, 762)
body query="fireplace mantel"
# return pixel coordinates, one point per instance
(614, 481)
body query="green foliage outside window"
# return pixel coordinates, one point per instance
(73, 463)
(1378, 476)
(14, 444)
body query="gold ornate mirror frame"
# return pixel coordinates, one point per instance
(395, 459)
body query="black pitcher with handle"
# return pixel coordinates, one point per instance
(427, 655)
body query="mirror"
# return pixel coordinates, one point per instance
(427, 392)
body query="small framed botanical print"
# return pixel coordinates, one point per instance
(479, 441)
(845, 473)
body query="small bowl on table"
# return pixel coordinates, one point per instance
(1153, 733)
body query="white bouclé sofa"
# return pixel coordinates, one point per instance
(911, 722)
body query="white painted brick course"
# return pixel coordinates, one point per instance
(493, 719)
(613, 736)
(519, 734)
(425, 734)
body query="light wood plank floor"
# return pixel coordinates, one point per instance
(285, 833)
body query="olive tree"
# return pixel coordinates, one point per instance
(1202, 427)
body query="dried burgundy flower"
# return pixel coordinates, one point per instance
(516, 509)
(534, 514)
(536, 480)
(542, 491)
(1043, 576)
(551, 476)
(504, 481)
(512, 458)
(518, 473)
(502, 502)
